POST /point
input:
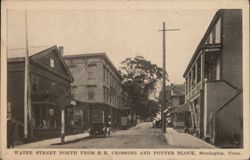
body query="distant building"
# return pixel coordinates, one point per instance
(97, 84)
(214, 81)
(50, 81)
(175, 97)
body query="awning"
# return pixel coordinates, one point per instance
(182, 108)
(169, 109)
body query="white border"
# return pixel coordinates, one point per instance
(147, 4)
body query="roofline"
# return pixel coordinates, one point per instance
(101, 54)
(21, 59)
(198, 48)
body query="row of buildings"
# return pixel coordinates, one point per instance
(213, 88)
(64, 92)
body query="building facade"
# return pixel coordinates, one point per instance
(213, 81)
(49, 92)
(98, 84)
(175, 97)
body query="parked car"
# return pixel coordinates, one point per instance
(98, 126)
(157, 123)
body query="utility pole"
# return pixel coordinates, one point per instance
(163, 118)
(27, 101)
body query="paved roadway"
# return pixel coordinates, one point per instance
(140, 136)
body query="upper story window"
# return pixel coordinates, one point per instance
(52, 63)
(199, 69)
(34, 82)
(104, 74)
(91, 72)
(215, 34)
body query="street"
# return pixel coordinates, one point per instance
(140, 136)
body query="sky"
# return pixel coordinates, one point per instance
(118, 33)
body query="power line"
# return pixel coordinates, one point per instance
(29, 47)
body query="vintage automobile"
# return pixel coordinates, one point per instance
(98, 125)
(157, 123)
(98, 130)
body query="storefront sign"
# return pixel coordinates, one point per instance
(72, 102)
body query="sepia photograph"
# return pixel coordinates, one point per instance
(125, 81)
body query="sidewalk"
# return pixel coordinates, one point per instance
(46, 143)
(185, 140)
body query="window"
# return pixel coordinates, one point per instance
(91, 72)
(181, 100)
(46, 116)
(104, 77)
(199, 69)
(218, 31)
(34, 82)
(52, 63)
(213, 35)
(189, 81)
(53, 86)
(91, 92)
(78, 118)
(193, 77)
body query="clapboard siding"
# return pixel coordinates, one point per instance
(232, 47)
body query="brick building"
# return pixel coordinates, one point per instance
(97, 85)
(214, 81)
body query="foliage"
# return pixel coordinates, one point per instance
(140, 77)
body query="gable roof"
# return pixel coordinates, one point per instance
(19, 56)
(198, 48)
(178, 89)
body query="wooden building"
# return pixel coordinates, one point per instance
(50, 91)
(214, 81)
(181, 117)
(98, 85)
(175, 97)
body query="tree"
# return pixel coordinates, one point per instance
(140, 77)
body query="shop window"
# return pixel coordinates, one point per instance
(78, 118)
(46, 117)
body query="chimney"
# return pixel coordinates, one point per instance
(61, 49)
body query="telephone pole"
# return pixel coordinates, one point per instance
(163, 117)
(27, 100)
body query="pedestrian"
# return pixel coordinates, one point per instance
(72, 123)
(109, 128)
(10, 133)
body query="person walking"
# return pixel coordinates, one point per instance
(109, 125)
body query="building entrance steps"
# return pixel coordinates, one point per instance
(48, 142)
(185, 140)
